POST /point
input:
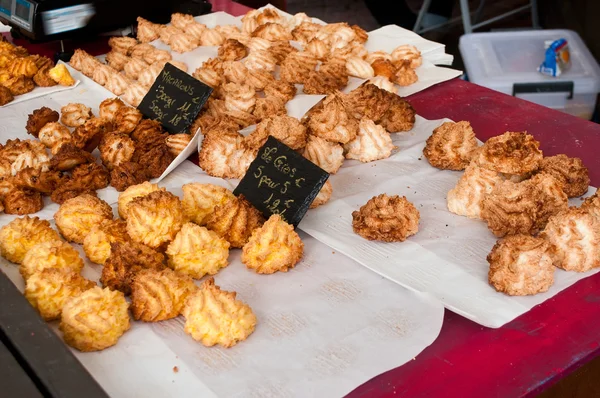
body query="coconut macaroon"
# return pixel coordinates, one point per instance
(331, 121)
(568, 171)
(54, 254)
(135, 191)
(235, 220)
(21, 234)
(76, 217)
(95, 319)
(323, 196)
(574, 237)
(466, 197)
(159, 295)
(214, 316)
(372, 143)
(96, 244)
(451, 146)
(592, 204)
(196, 251)
(199, 200)
(273, 247)
(48, 290)
(326, 154)
(285, 128)
(386, 218)
(521, 265)
(154, 219)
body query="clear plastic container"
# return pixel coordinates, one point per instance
(508, 62)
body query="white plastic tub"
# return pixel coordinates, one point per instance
(508, 62)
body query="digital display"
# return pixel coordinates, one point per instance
(22, 10)
(5, 6)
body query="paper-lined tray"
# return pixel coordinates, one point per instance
(447, 257)
(324, 328)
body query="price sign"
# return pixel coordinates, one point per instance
(175, 99)
(281, 181)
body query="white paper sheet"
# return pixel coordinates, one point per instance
(41, 92)
(324, 328)
(447, 257)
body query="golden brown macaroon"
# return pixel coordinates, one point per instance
(159, 295)
(405, 75)
(6, 96)
(399, 117)
(109, 108)
(69, 156)
(21, 234)
(75, 115)
(85, 179)
(592, 204)
(232, 50)
(95, 319)
(272, 31)
(136, 191)
(22, 202)
(176, 143)
(574, 237)
(323, 196)
(296, 67)
(54, 254)
(39, 118)
(569, 171)
(326, 154)
(322, 83)
(44, 182)
(19, 85)
(127, 119)
(269, 106)
(372, 143)
(49, 289)
(368, 101)
(235, 220)
(196, 252)
(282, 89)
(521, 265)
(285, 128)
(225, 155)
(76, 217)
(125, 261)
(97, 243)
(147, 31)
(115, 149)
(510, 153)
(523, 208)
(466, 197)
(156, 160)
(214, 316)
(199, 200)
(386, 218)
(273, 247)
(54, 135)
(333, 122)
(154, 219)
(126, 175)
(451, 146)
(42, 77)
(89, 135)
(22, 67)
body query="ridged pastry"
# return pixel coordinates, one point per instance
(249, 23)
(147, 31)
(386, 218)
(195, 30)
(102, 73)
(239, 97)
(269, 106)
(141, 50)
(183, 43)
(14, 148)
(384, 67)
(156, 56)
(38, 160)
(117, 83)
(272, 31)
(368, 101)
(361, 35)
(125, 261)
(74, 115)
(259, 44)
(510, 153)
(235, 72)
(408, 53)
(22, 67)
(167, 31)
(371, 143)
(39, 118)
(592, 204)
(196, 252)
(296, 67)
(451, 146)
(466, 197)
(232, 50)
(22, 202)
(228, 31)
(94, 320)
(323, 196)
(116, 61)
(285, 128)
(297, 19)
(326, 154)
(37, 180)
(159, 295)
(225, 155)
(84, 62)
(383, 83)
(88, 135)
(211, 37)
(282, 89)
(49, 289)
(133, 67)
(69, 156)
(6, 96)
(234, 220)
(134, 94)
(126, 175)
(305, 32)
(280, 50)
(122, 44)
(333, 122)
(259, 79)
(135, 191)
(404, 75)
(127, 119)
(569, 171)
(214, 316)
(269, 15)
(209, 77)
(109, 108)
(199, 200)
(523, 208)
(97, 242)
(116, 148)
(154, 219)
(21, 234)
(261, 59)
(358, 67)
(574, 237)
(19, 85)
(319, 82)
(273, 247)
(318, 48)
(178, 142)
(76, 217)
(54, 254)
(521, 265)
(148, 76)
(182, 20)
(399, 117)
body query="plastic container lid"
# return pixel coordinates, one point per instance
(498, 60)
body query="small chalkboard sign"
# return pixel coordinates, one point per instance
(175, 99)
(281, 181)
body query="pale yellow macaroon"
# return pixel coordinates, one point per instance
(55, 254)
(21, 234)
(95, 319)
(214, 316)
(197, 251)
(48, 290)
(273, 247)
(96, 244)
(135, 191)
(76, 217)
(199, 200)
